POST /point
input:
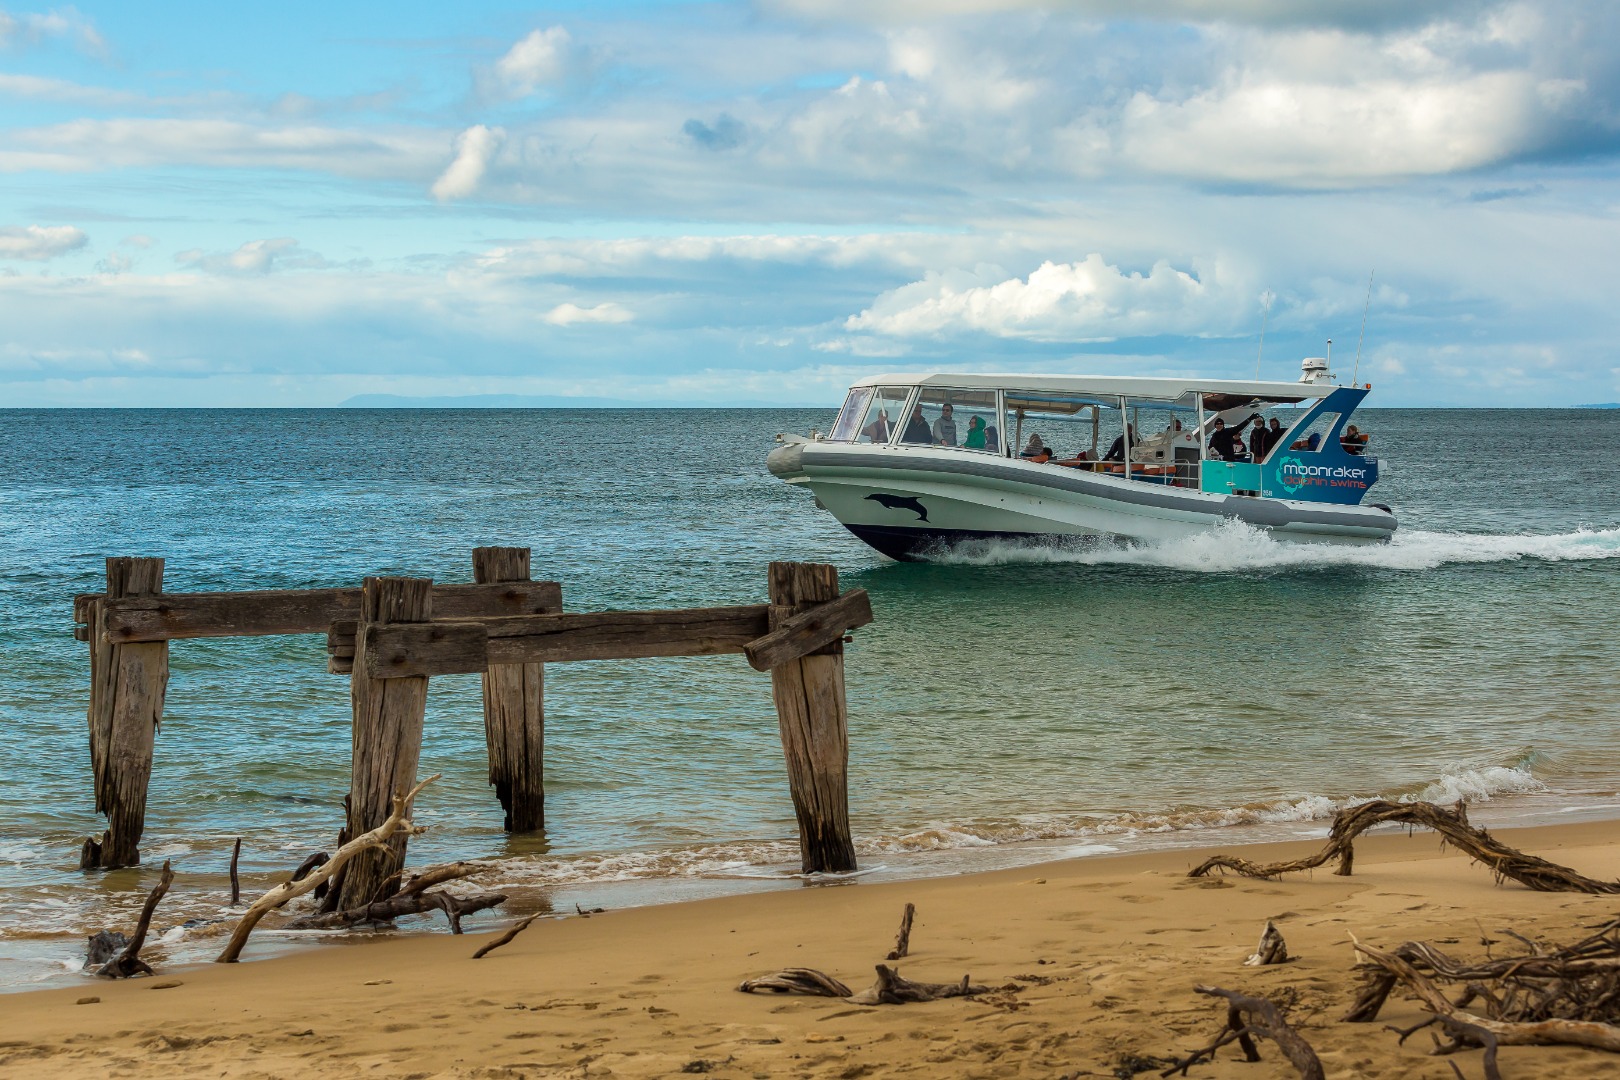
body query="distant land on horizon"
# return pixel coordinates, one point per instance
(538, 401)
(1604, 405)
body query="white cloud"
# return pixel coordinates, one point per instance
(475, 147)
(95, 145)
(31, 28)
(1084, 301)
(253, 258)
(569, 314)
(537, 60)
(39, 243)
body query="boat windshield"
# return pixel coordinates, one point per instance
(849, 417)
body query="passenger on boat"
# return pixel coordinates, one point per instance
(1041, 456)
(992, 440)
(1308, 444)
(945, 427)
(1259, 441)
(917, 429)
(1273, 435)
(1353, 440)
(878, 430)
(975, 434)
(1116, 452)
(1224, 442)
(1032, 447)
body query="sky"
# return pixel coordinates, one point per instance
(293, 204)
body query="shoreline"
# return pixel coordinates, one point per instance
(1106, 949)
(178, 939)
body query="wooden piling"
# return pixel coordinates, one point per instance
(127, 685)
(386, 739)
(514, 711)
(814, 720)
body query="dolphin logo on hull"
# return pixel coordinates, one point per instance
(901, 502)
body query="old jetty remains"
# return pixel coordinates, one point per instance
(393, 634)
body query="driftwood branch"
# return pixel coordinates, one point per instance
(1247, 1017)
(281, 894)
(889, 989)
(518, 928)
(807, 981)
(902, 940)
(129, 963)
(400, 905)
(1504, 862)
(1539, 1032)
(236, 882)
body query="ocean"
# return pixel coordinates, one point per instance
(1008, 705)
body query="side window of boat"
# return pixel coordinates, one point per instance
(883, 414)
(965, 419)
(849, 417)
(1312, 436)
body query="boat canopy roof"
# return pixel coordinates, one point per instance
(1111, 385)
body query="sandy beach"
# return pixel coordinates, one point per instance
(1094, 960)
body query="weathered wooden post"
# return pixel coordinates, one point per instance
(127, 685)
(387, 735)
(514, 711)
(814, 719)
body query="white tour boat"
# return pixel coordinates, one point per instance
(915, 462)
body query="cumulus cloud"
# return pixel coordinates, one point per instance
(569, 314)
(726, 133)
(475, 147)
(1084, 301)
(1264, 12)
(539, 59)
(40, 243)
(255, 257)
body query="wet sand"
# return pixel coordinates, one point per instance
(1106, 951)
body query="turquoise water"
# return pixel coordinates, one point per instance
(1007, 705)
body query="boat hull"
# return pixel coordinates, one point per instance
(907, 500)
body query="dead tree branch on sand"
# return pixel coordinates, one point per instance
(902, 940)
(399, 905)
(1452, 825)
(889, 989)
(281, 894)
(1526, 1008)
(412, 899)
(1247, 1017)
(485, 950)
(129, 963)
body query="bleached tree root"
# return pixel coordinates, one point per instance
(281, 894)
(400, 905)
(1505, 862)
(902, 940)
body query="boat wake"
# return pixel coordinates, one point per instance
(1236, 546)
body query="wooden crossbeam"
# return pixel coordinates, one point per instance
(804, 633)
(302, 611)
(445, 648)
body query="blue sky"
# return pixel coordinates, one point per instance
(720, 202)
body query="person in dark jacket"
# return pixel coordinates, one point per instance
(1224, 441)
(1116, 452)
(917, 429)
(1258, 441)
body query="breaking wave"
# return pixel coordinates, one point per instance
(1237, 546)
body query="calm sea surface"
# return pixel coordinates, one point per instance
(1006, 706)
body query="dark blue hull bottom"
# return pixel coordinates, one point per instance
(910, 545)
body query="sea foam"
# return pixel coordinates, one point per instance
(1236, 546)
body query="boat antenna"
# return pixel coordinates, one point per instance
(1357, 368)
(1267, 296)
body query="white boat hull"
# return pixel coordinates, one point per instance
(904, 500)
